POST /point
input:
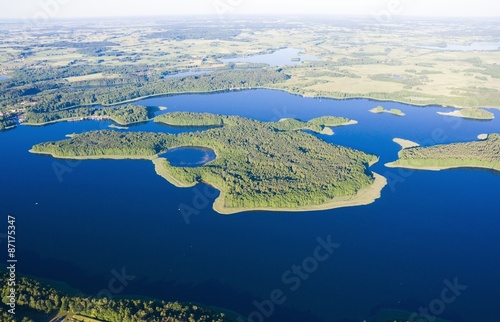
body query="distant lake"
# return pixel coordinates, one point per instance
(188, 73)
(281, 57)
(480, 46)
(79, 221)
(3, 78)
(189, 157)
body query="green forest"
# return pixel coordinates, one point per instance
(483, 153)
(477, 113)
(208, 119)
(49, 96)
(258, 164)
(36, 302)
(123, 115)
(6, 123)
(191, 119)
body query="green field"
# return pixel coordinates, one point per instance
(50, 71)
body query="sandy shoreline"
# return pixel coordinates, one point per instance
(351, 122)
(405, 144)
(434, 168)
(458, 113)
(364, 197)
(327, 131)
(167, 176)
(482, 136)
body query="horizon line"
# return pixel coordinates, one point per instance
(249, 15)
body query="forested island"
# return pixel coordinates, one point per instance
(394, 111)
(37, 302)
(318, 125)
(479, 154)
(123, 115)
(471, 113)
(259, 166)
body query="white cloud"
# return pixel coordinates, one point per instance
(99, 8)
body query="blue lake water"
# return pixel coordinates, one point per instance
(189, 157)
(281, 57)
(188, 73)
(78, 221)
(3, 78)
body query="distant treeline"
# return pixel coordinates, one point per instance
(124, 115)
(50, 97)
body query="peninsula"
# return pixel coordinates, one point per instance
(470, 113)
(477, 154)
(259, 166)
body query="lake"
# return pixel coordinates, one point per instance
(189, 157)
(188, 73)
(3, 78)
(281, 57)
(79, 221)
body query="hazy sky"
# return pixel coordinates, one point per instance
(30, 9)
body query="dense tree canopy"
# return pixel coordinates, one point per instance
(484, 153)
(35, 299)
(126, 114)
(258, 164)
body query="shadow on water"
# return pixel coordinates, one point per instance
(210, 292)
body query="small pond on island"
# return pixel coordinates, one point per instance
(189, 157)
